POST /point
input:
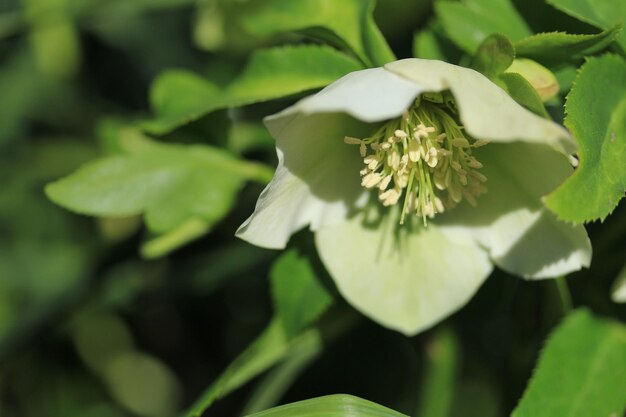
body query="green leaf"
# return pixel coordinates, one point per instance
(270, 348)
(521, 91)
(23, 91)
(431, 43)
(299, 298)
(469, 22)
(273, 386)
(277, 72)
(376, 46)
(174, 186)
(604, 14)
(543, 81)
(53, 37)
(427, 45)
(581, 371)
(494, 55)
(179, 97)
(557, 47)
(180, 94)
(330, 406)
(348, 22)
(596, 115)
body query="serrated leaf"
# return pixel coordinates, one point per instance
(299, 298)
(172, 185)
(349, 21)
(604, 14)
(581, 371)
(469, 22)
(596, 115)
(556, 47)
(179, 97)
(271, 347)
(330, 406)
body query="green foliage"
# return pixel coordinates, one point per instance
(180, 189)
(604, 14)
(53, 37)
(299, 299)
(22, 87)
(596, 115)
(179, 97)
(431, 43)
(270, 348)
(347, 22)
(493, 57)
(439, 385)
(331, 406)
(581, 371)
(298, 296)
(30, 224)
(469, 22)
(520, 89)
(88, 327)
(557, 47)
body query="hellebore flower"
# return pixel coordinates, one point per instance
(417, 178)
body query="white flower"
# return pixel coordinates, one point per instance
(410, 211)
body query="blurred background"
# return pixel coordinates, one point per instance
(90, 327)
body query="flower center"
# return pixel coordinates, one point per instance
(423, 159)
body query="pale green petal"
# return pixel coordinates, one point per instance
(486, 111)
(522, 237)
(284, 207)
(370, 95)
(317, 180)
(618, 293)
(407, 281)
(548, 249)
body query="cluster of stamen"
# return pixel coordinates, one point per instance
(422, 158)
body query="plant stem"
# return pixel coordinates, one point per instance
(564, 295)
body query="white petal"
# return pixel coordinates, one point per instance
(618, 293)
(370, 95)
(486, 111)
(285, 206)
(549, 248)
(510, 221)
(317, 180)
(407, 281)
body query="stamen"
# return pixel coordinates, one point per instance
(433, 167)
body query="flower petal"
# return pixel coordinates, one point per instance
(521, 236)
(549, 248)
(317, 180)
(486, 111)
(370, 95)
(405, 280)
